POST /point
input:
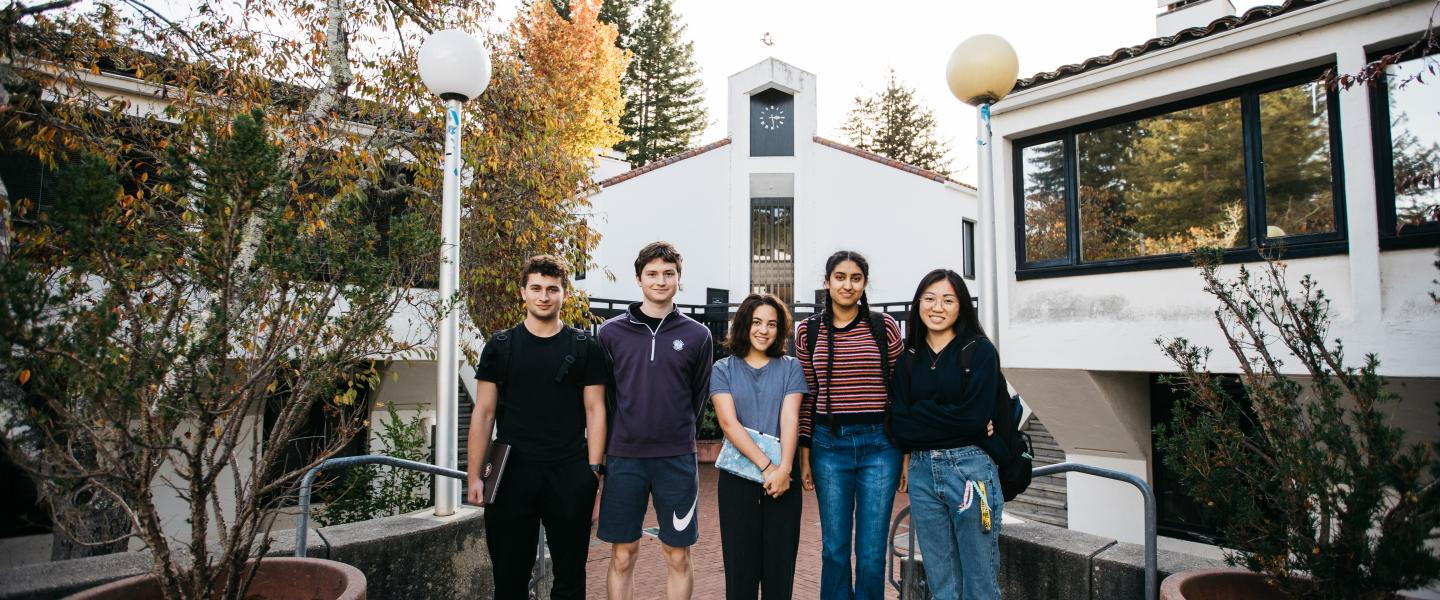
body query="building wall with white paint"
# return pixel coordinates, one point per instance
(905, 222)
(1081, 347)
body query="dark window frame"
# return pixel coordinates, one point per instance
(1384, 155)
(967, 262)
(1258, 246)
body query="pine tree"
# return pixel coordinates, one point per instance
(894, 124)
(617, 13)
(664, 110)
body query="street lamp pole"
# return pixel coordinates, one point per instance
(984, 181)
(455, 66)
(981, 71)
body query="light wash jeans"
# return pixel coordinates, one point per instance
(856, 474)
(961, 559)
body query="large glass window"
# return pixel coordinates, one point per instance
(1407, 136)
(1295, 139)
(1163, 184)
(1043, 195)
(1232, 170)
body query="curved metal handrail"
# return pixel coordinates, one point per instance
(302, 527)
(1152, 583)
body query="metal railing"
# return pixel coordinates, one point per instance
(302, 527)
(1152, 583)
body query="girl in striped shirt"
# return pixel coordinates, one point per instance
(845, 455)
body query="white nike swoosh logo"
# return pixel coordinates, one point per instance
(682, 523)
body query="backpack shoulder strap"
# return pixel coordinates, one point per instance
(882, 342)
(579, 351)
(500, 360)
(812, 331)
(967, 352)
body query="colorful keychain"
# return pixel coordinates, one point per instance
(984, 507)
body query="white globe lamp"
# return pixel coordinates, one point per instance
(454, 63)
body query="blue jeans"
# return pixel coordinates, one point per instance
(856, 472)
(959, 555)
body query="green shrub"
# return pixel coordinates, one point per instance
(1305, 474)
(374, 491)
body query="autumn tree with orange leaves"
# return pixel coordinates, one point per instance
(236, 203)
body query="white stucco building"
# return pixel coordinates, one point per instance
(763, 208)
(1215, 130)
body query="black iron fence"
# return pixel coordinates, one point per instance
(717, 316)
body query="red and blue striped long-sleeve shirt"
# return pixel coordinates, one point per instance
(852, 391)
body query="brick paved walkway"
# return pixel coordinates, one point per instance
(705, 555)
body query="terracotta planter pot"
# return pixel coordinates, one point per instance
(706, 451)
(1218, 584)
(280, 578)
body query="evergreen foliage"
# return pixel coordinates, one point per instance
(1306, 474)
(664, 108)
(373, 491)
(893, 123)
(618, 13)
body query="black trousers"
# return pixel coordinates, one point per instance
(559, 495)
(759, 536)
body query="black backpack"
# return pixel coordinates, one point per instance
(500, 356)
(1015, 471)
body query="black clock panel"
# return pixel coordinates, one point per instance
(772, 124)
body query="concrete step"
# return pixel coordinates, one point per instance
(1038, 514)
(1055, 503)
(1048, 455)
(1054, 480)
(1044, 491)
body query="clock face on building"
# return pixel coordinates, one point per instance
(772, 123)
(771, 117)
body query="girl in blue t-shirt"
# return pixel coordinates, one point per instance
(759, 388)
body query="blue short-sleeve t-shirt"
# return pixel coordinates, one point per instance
(759, 393)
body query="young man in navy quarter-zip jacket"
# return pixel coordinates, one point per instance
(661, 364)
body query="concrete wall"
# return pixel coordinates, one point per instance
(419, 556)
(408, 556)
(1079, 347)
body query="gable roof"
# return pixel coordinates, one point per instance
(890, 162)
(664, 162)
(1223, 24)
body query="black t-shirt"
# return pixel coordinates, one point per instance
(541, 419)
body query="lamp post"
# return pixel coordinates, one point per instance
(981, 71)
(455, 66)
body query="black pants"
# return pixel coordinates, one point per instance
(559, 495)
(759, 536)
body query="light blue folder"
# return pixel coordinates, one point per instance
(733, 462)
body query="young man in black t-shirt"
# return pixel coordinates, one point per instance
(543, 385)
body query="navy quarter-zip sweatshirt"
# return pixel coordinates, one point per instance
(662, 378)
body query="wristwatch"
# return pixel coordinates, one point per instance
(598, 469)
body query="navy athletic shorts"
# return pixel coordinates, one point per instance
(672, 482)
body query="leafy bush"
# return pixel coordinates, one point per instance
(1305, 475)
(374, 491)
(709, 428)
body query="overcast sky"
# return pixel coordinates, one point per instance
(851, 44)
